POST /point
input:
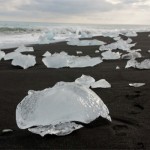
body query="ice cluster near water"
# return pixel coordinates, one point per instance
(109, 55)
(136, 84)
(24, 61)
(60, 109)
(12, 55)
(60, 60)
(145, 64)
(22, 48)
(2, 54)
(101, 84)
(77, 42)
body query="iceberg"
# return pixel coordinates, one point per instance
(136, 84)
(60, 60)
(47, 54)
(101, 84)
(109, 55)
(77, 42)
(131, 55)
(2, 54)
(85, 80)
(59, 110)
(12, 55)
(24, 61)
(22, 48)
(145, 64)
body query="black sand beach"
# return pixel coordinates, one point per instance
(129, 107)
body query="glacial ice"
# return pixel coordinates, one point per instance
(57, 110)
(60, 60)
(109, 55)
(22, 48)
(77, 42)
(24, 61)
(136, 84)
(117, 67)
(131, 55)
(2, 54)
(148, 51)
(97, 51)
(46, 54)
(85, 80)
(145, 64)
(12, 55)
(131, 34)
(79, 52)
(101, 84)
(7, 130)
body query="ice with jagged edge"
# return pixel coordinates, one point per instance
(131, 34)
(24, 61)
(2, 54)
(60, 109)
(131, 55)
(101, 84)
(85, 80)
(11, 55)
(136, 84)
(60, 60)
(77, 42)
(47, 53)
(124, 45)
(23, 48)
(109, 55)
(145, 64)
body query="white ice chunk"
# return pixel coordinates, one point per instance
(53, 110)
(117, 67)
(117, 38)
(79, 52)
(140, 65)
(85, 80)
(59, 60)
(7, 130)
(77, 42)
(22, 48)
(2, 54)
(131, 34)
(109, 55)
(97, 51)
(47, 54)
(131, 55)
(101, 84)
(136, 84)
(12, 55)
(148, 51)
(24, 61)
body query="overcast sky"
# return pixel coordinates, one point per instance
(77, 11)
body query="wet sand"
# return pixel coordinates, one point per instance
(129, 107)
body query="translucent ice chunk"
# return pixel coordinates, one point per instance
(22, 48)
(101, 84)
(131, 55)
(24, 61)
(109, 55)
(2, 54)
(47, 54)
(136, 84)
(12, 55)
(52, 110)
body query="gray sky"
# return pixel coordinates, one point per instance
(77, 11)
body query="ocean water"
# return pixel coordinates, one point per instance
(14, 34)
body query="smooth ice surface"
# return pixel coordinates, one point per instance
(2, 54)
(101, 84)
(52, 108)
(109, 55)
(47, 53)
(120, 44)
(131, 34)
(145, 64)
(85, 80)
(136, 84)
(131, 55)
(60, 60)
(22, 48)
(77, 42)
(24, 61)
(79, 52)
(11, 55)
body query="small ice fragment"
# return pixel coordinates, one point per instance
(117, 67)
(7, 130)
(22, 48)
(148, 51)
(136, 84)
(109, 55)
(101, 84)
(79, 52)
(24, 61)
(46, 54)
(131, 55)
(131, 34)
(2, 54)
(85, 80)
(57, 110)
(11, 55)
(97, 51)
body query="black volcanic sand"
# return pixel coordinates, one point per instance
(129, 107)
